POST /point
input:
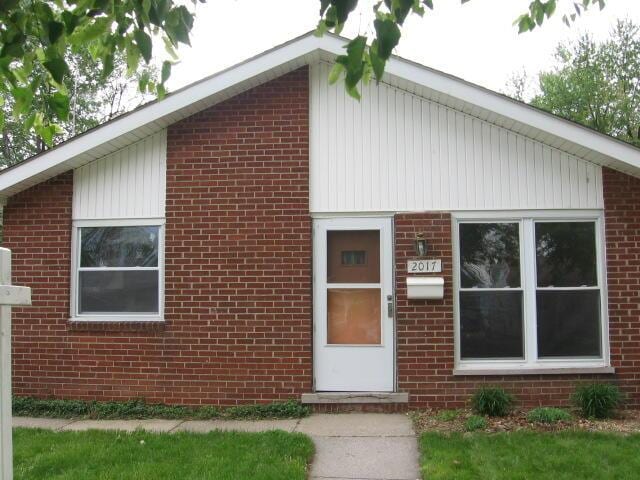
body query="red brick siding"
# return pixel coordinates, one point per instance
(238, 269)
(622, 230)
(425, 331)
(37, 229)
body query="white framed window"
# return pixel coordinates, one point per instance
(118, 270)
(530, 293)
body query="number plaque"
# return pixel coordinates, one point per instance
(424, 266)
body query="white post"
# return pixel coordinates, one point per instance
(8, 296)
(6, 446)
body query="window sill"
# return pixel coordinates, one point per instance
(116, 324)
(533, 371)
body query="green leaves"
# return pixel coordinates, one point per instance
(334, 14)
(144, 44)
(390, 15)
(59, 104)
(361, 60)
(41, 34)
(597, 84)
(55, 30)
(166, 71)
(22, 97)
(57, 67)
(388, 37)
(540, 10)
(353, 65)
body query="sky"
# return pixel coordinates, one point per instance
(475, 41)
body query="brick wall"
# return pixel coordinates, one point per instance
(622, 230)
(238, 269)
(426, 336)
(37, 229)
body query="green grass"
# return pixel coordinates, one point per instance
(53, 408)
(530, 455)
(548, 415)
(475, 422)
(447, 415)
(92, 455)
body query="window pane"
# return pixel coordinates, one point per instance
(353, 256)
(353, 316)
(491, 325)
(119, 246)
(118, 291)
(568, 323)
(566, 254)
(489, 255)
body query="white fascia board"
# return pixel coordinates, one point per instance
(156, 111)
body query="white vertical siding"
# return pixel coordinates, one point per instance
(395, 151)
(129, 183)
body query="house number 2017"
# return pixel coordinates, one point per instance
(424, 266)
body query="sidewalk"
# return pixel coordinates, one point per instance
(362, 446)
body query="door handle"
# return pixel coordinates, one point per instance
(390, 306)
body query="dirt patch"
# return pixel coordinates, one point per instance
(625, 421)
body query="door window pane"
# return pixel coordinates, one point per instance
(353, 256)
(568, 323)
(491, 325)
(566, 254)
(353, 316)
(116, 291)
(119, 246)
(489, 255)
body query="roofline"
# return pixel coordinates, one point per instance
(155, 109)
(153, 101)
(291, 50)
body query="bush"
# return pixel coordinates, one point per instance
(32, 407)
(548, 415)
(475, 422)
(492, 401)
(138, 409)
(597, 400)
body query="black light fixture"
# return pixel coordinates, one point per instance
(421, 245)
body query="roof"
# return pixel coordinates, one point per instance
(432, 84)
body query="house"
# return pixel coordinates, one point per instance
(259, 236)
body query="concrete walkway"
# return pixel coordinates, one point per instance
(354, 446)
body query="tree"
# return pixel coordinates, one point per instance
(597, 84)
(127, 27)
(37, 37)
(92, 101)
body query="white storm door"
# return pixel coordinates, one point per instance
(353, 305)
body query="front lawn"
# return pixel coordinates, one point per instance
(42, 454)
(529, 455)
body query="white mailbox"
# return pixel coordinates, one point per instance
(425, 288)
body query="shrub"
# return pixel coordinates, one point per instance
(548, 415)
(475, 422)
(597, 400)
(492, 401)
(447, 415)
(32, 407)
